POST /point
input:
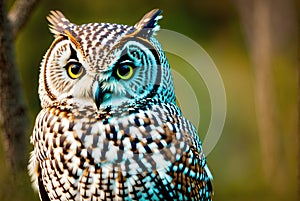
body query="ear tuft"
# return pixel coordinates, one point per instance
(58, 23)
(148, 25)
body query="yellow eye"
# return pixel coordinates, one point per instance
(125, 71)
(74, 70)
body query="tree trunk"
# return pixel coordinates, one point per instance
(264, 86)
(13, 113)
(256, 18)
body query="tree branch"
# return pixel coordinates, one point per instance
(19, 14)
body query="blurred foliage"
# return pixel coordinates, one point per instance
(235, 161)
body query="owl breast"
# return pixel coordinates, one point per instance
(146, 154)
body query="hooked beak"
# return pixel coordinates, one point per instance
(101, 95)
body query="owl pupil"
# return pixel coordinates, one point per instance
(124, 70)
(75, 69)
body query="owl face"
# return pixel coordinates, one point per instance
(104, 65)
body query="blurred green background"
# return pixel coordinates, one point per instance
(236, 162)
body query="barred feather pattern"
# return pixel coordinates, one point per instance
(151, 154)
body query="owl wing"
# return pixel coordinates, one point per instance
(189, 172)
(52, 137)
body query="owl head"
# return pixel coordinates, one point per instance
(104, 65)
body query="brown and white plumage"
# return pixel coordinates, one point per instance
(109, 128)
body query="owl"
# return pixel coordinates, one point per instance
(109, 127)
